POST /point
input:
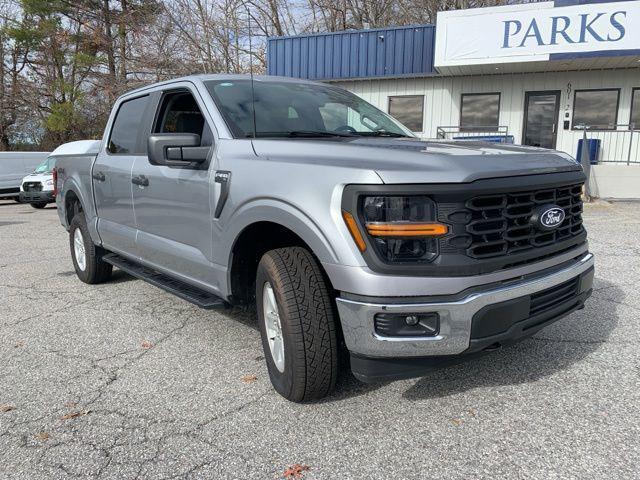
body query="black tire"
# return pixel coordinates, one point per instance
(39, 205)
(96, 270)
(307, 323)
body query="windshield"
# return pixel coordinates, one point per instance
(46, 166)
(289, 109)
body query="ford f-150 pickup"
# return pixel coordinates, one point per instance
(345, 231)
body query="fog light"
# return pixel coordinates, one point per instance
(407, 324)
(411, 320)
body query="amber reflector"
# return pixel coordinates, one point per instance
(354, 230)
(406, 229)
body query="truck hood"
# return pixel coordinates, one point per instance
(407, 160)
(38, 177)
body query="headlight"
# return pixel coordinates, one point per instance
(402, 228)
(49, 182)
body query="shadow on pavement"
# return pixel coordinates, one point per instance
(553, 349)
(245, 315)
(118, 276)
(348, 386)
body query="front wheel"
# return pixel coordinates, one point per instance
(87, 257)
(39, 205)
(297, 325)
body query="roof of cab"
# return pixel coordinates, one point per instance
(80, 147)
(218, 76)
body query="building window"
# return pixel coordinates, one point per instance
(408, 110)
(596, 109)
(480, 111)
(635, 109)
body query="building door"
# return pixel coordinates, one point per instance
(541, 119)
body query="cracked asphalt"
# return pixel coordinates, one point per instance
(123, 381)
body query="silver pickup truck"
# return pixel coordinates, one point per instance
(345, 231)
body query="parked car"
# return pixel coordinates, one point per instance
(13, 167)
(341, 227)
(37, 188)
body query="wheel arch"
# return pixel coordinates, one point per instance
(267, 224)
(75, 199)
(253, 241)
(72, 205)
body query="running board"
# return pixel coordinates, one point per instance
(187, 292)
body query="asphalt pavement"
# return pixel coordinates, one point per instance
(123, 381)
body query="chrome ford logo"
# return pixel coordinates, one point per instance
(548, 217)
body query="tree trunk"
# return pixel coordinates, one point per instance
(122, 33)
(4, 138)
(275, 17)
(108, 46)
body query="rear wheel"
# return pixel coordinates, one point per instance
(87, 257)
(297, 325)
(39, 205)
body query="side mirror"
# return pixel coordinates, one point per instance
(176, 149)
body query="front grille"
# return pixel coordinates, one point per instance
(552, 297)
(32, 186)
(489, 221)
(498, 225)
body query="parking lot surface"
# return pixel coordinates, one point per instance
(123, 380)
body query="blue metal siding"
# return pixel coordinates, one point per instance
(389, 52)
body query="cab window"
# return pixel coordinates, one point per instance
(126, 127)
(179, 113)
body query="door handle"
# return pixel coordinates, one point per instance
(140, 180)
(99, 176)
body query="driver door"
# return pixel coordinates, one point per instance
(173, 203)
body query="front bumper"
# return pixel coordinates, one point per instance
(483, 319)
(35, 197)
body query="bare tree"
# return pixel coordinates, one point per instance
(13, 55)
(65, 61)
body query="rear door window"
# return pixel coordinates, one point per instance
(124, 138)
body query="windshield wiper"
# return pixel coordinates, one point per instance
(383, 133)
(304, 134)
(317, 133)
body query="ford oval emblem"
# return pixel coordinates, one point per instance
(548, 217)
